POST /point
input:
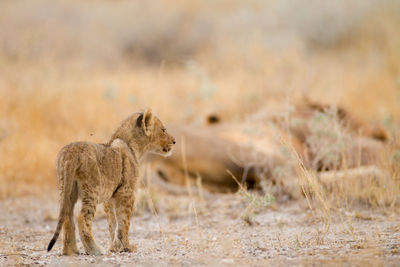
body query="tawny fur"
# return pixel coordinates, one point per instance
(106, 173)
(254, 149)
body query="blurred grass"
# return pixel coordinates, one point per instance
(72, 70)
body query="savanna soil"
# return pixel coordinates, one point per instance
(209, 230)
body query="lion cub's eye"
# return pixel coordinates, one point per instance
(164, 130)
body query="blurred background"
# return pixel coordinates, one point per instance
(72, 70)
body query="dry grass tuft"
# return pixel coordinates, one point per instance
(56, 91)
(72, 70)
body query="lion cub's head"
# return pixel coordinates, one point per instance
(144, 132)
(159, 140)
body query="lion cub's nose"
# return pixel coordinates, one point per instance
(174, 142)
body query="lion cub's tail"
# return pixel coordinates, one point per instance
(65, 174)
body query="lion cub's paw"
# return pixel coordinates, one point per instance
(131, 248)
(118, 247)
(97, 251)
(70, 252)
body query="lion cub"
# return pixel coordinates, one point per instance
(106, 173)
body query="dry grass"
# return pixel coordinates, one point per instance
(89, 66)
(47, 101)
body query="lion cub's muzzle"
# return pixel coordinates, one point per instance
(168, 147)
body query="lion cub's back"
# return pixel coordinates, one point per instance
(84, 155)
(79, 151)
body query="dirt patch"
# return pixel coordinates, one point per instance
(211, 230)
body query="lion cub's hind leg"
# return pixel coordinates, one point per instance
(109, 209)
(69, 242)
(85, 226)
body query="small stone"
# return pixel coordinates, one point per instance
(227, 261)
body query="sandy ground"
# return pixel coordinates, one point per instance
(209, 231)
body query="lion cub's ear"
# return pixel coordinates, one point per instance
(147, 122)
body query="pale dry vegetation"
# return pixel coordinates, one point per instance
(72, 70)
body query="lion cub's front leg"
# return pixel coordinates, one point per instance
(124, 202)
